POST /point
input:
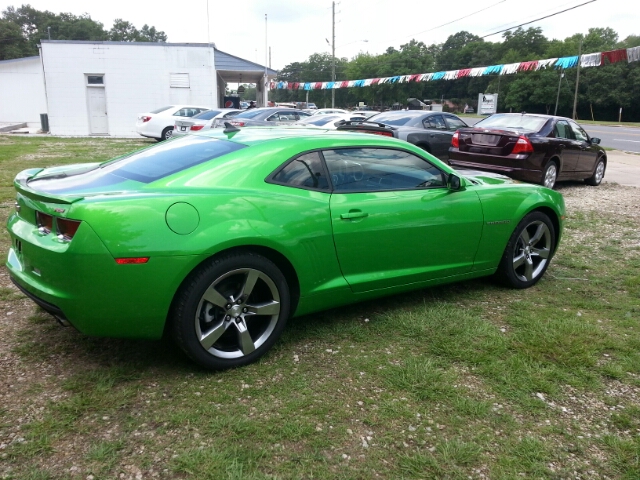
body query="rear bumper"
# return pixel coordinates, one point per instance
(465, 160)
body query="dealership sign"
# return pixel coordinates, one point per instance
(487, 103)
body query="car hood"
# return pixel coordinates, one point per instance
(478, 176)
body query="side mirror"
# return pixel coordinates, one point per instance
(595, 141)
(454, 183)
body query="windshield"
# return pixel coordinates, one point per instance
(393, 118)
(531, 123)
(208, 115)
(162, 109)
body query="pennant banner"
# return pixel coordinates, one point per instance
(587, 60)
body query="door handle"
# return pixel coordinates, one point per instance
(353, 214)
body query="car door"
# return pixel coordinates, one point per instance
(439, 140)
(566, 145)
(588, 152)
(394, 220)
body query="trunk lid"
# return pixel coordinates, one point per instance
(498, 142)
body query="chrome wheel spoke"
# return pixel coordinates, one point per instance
(244, 338)
(214, 297)
(528, 269)
(540, 231)
(540, 252)
(267, 308)
(518, 261)
(249, 283)
(209, 338)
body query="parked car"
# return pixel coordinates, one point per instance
(332, 121)
(431, 131)
(328, 111)
(217, 238)
(159, 123)
(312, 106)
(268, 116)
(204, 120)
(534, 148)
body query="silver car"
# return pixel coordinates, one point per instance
(268, 116)
(203, 120)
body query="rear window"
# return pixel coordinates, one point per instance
(393, 118)
(518, 122)
(168, 158)
(250, 113)
(319, 120)
(162, 109)
(208, 115)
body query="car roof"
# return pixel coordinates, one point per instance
(258, 135)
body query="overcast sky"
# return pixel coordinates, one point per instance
(299, 28)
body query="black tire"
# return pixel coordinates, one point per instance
(550, 175)
(528, 252)
(218, 324)
(167, 133)
(598, 173)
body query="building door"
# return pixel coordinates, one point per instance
(98, 124)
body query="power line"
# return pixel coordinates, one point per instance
(538, 19)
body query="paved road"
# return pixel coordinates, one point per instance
(623, 168)
(621, 138)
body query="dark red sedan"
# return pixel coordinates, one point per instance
(530, 147)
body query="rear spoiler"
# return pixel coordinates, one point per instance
(368, 127)
(21, 185)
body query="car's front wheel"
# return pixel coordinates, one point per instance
(528, 252)
(231, 311)
(598, 174)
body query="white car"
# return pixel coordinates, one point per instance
(204, 120)
(159, 123)
(328, 111)
(330, 121)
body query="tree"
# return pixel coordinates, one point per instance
(12, 43)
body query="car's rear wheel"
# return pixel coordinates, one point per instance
(166, 134)
(529, 251)
(231, 311)
(598, 174)
(550, 175)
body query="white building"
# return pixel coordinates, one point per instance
(99, 88)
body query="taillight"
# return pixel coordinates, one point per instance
(66, 228)
(523, 145)
(132, 260)
(237, 123)
(44, 222)
(455, 140)
(145, 118)
(196, 127)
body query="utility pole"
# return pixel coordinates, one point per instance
(555, 112)
(575, 95)
(333, 52)
(269, 57)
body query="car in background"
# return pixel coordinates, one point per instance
(332, 121)
(216, 239)
(312, 106)
(431, 131)
(203, 120)
(268, 116)
(530, 147)
(327, 111)
(159, 123)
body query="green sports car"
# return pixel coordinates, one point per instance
(216, 239)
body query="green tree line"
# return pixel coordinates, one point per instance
(602, 90)
(22, 29)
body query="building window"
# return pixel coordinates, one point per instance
(95, 79)
(179, 80)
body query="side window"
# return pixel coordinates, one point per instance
(562, 130)
(454, 123)
(273, 118)
(580, 134)
(181, 113)
(304, 171)
(289, 116)
(379, 169)
(435, 122)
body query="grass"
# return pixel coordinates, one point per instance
(462, 381)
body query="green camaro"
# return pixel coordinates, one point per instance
(217, 239)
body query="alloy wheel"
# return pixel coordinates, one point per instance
(532, 251)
